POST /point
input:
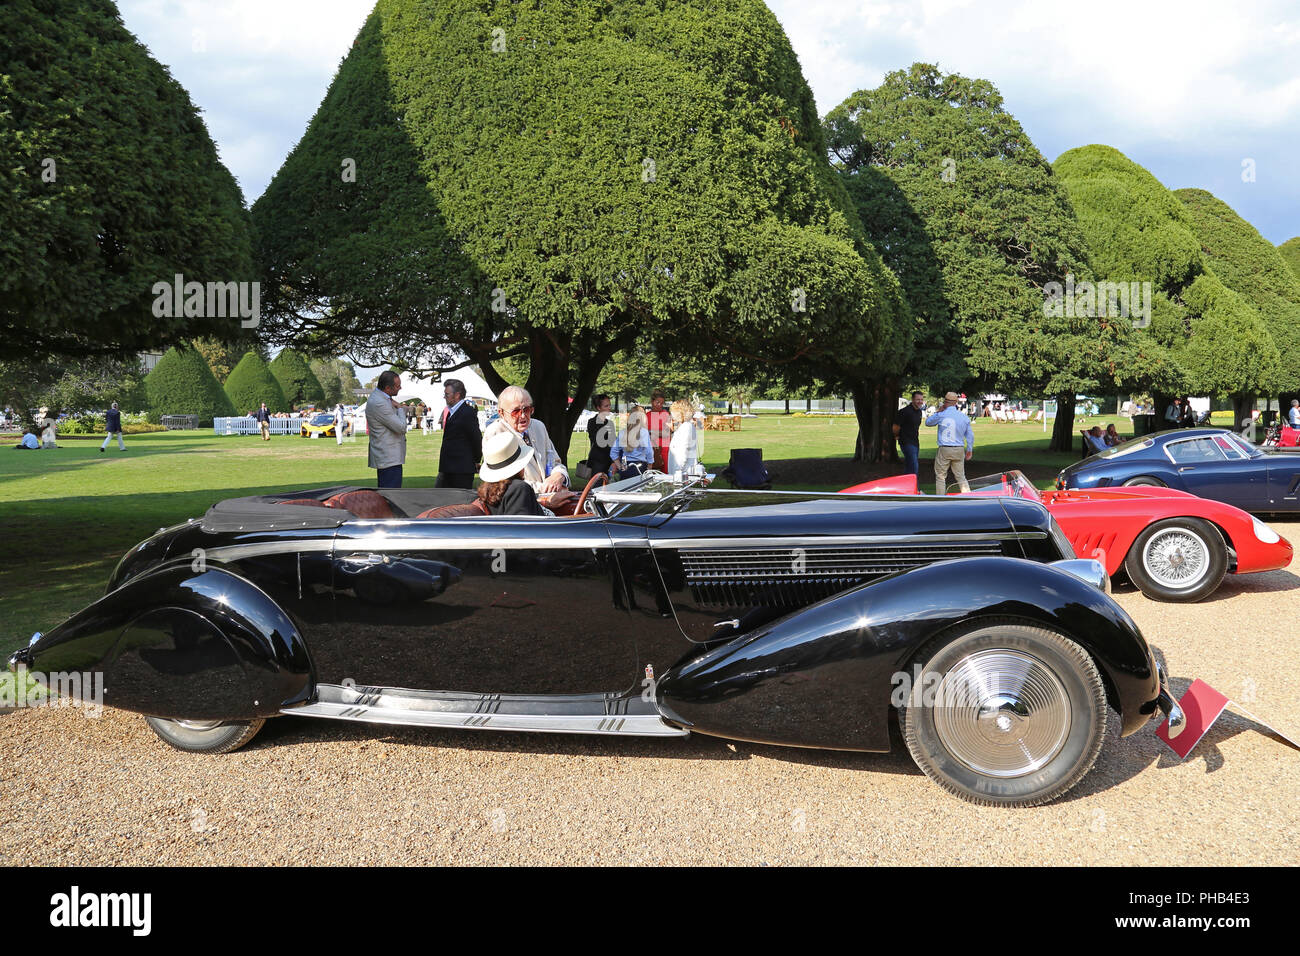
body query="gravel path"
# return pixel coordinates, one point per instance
(107, 791)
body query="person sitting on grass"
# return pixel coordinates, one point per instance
(1112, 436)
(29, 440)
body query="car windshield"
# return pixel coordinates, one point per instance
(324, 418)
(1246, 447)
(1007, 484)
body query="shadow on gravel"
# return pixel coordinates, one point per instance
(288, 731)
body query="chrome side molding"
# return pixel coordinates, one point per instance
(380, 705)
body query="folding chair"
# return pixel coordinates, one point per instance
(746, 469)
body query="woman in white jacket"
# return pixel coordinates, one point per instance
(684, 449)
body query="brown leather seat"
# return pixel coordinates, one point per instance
(363, 504)
(468, 509)
(311, 502)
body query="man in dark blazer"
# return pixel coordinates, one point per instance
(462, 444)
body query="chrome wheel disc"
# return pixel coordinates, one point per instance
(198, 724)
(1003, 713)
(1176, 558)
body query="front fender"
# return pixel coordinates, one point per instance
(173, 642)
(823, 676)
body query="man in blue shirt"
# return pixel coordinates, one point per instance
(956, 444)
(1295, 413)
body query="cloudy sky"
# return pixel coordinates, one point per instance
(1200, 92)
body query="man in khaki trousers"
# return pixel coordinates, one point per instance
(956, 444)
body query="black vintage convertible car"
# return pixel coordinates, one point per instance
(660, 609)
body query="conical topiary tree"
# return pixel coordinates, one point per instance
(298, 382)
(1250, 266)
(1137, 230)
(110, 183)
(1290, 252)
(489, 179)
(251, 383)
(182, 384)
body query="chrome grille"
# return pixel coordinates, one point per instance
(793, 577)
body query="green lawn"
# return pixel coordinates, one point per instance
(67, 515)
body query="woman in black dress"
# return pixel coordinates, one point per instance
(503, 492)
(602, 429)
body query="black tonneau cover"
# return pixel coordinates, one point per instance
(270, 513)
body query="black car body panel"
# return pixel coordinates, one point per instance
(756, 615)
(823, 677)
(182, 641)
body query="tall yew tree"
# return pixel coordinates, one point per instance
(109, 182)
(553, 181)
(1203, 338)
(1250, 266)
(968, 213)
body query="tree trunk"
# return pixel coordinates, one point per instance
(787, 406)
(861, 392)
(887, 407)
(1063, 430)
(1243, 407)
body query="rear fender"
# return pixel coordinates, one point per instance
(823, 676)
(206, 645)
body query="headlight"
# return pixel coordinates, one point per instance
(1264, 532)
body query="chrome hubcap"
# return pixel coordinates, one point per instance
(198, 724)
(1176, 558)
(1002, 713)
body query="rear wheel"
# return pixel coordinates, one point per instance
(1006, 714)
(205, 736)
(1181, 559)
(1145, 481)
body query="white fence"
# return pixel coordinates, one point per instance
(250, 426)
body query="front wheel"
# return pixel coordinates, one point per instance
(1006, 714)
(205, 736)
(1181, 559)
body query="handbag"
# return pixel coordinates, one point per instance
(583, 470)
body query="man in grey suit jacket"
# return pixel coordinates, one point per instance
(386, 424)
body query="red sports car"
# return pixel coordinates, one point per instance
(1173, 546)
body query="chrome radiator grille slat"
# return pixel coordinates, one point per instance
(793, 577)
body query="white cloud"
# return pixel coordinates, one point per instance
(1174, 73)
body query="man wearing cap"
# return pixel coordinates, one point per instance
(956, 444)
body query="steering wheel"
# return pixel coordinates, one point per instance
(600, 477)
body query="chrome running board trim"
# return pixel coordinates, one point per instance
(387, 705)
